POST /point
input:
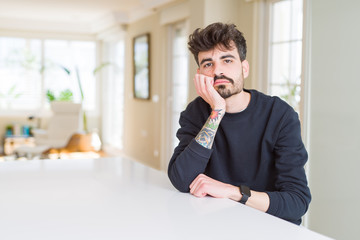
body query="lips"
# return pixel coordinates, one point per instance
(221, 81)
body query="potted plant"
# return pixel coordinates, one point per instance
(86, 141)
(65, 95)
(95, 71)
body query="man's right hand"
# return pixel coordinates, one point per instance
(205, 88)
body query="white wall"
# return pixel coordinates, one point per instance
(205, 12)
(335, 118)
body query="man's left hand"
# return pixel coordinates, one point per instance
(204, 185)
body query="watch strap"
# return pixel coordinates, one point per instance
(244, 199)
(245, 192)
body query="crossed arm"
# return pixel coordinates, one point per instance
(203, 185)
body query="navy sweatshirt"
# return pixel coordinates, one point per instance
(260, 147)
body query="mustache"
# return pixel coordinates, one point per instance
(223, 77)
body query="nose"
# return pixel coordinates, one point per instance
(218, 70)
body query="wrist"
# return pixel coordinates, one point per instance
(220, 112)
(234, 193)
(219, 107)
(216, 115)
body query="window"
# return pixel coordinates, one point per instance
(285, 50)
(74, 56)
(20, 73)
(31, 67)
(113, 95)
(179, 78)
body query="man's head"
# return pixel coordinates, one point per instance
(220, 52)
(217, 34)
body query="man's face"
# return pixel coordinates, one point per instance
(226, 68)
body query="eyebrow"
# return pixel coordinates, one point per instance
(222, 57)
(205, 60)
(227, 56)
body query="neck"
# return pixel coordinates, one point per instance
(238, 102)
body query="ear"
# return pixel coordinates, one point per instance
(198, 71)
(245, 68)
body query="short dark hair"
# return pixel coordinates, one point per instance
(217, 34)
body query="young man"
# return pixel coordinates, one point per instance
(236, 143)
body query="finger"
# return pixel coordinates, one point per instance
(193, 182)
(211, 81)
(200, 194)
(208, 89)
(200, 86)
(209, 86)
(200, 190)
(197, 86)
(208, 83)
(214, 95)
(197, 183)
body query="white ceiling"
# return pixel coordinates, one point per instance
(88, 15)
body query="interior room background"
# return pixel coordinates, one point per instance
(326, 86)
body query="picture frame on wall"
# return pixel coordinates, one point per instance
(141, 66)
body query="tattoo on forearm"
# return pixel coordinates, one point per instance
(215, 115)
(206, 135)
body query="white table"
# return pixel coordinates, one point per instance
(120, 199)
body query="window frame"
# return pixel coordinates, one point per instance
(267, 36)
(169, 103)
(109, 91)
(262, 58)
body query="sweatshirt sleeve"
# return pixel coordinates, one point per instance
(189, 158)
(292, 198)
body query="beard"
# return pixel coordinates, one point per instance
(228, 91)
(225, 92)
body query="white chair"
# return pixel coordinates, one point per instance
(65, 121)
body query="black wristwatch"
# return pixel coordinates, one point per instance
(245, 192)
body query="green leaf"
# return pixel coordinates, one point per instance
(17, 95)
(100, 67)
(50, 96)
(85, 122)
(66, 95)
(65, 69)
(12, 89)
(79, 82)
(42, 69)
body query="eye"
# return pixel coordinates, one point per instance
(228, 61)
(207, 65)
